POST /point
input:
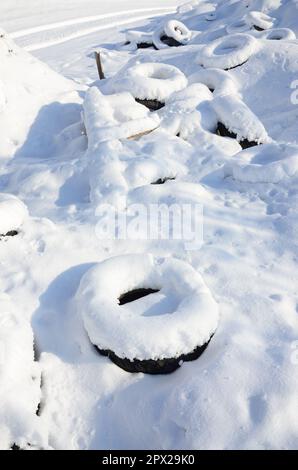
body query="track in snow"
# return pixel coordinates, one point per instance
(57, 33)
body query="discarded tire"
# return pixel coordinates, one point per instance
(227, 52)
(172, 34)
(224, 132)
(150, 83)
(172, 319)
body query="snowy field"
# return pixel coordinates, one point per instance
(225, 138)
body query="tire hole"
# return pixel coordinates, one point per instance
(135, 294)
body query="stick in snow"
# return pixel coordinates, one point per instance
(99, 66)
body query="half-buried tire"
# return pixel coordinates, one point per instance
(145, 314)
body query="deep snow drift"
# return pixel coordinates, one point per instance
(224, 135)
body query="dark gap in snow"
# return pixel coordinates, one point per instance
(235, 66)
(145, 45)
(11, 233)
(224, 132)
(15, 447)
(41, 404)
(257, 28)
(153, 105)
(135, 295)
(171, 42)
(163, 180)
(142, 45)
(151, 366)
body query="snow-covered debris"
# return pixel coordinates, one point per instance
(219, 81)
(277, 34)
(228, 52)
(13, 213)
(177, 319)
(149, 81)
(242, 393)
(171, 33)
(239, 120)
(259, 20)
(269, 163)
(117, 116)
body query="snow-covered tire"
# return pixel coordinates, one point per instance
(13, 213)
(270, 163)
(218, 81)
(259, 20)
(178, 31)
(172, 34)
(227, 52)
(151, 81)
(139, 336)
(278, 34)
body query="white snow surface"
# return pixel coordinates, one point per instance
(62, 158)
(13, 213)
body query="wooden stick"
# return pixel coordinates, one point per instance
(99, 66)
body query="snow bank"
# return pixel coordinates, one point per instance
(174, 321)
(13, 213)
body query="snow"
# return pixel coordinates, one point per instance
(238, 118)
(270, 164)
(227, 52)
(172, 322)
(150, 81)
(259, 19)
(113, 117)
(177, 30)
(13, 213)
(65, 150)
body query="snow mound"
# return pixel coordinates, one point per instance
(177, 319)
(269, 163)
(13, 213)
(149, 81)
(118, 116)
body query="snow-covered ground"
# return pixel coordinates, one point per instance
(65, 150)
